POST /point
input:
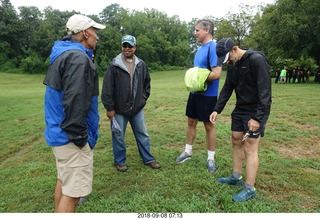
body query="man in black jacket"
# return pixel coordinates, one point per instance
(249, 77)
(126, 88)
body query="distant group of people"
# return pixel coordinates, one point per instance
(72, 117)
(296, 75)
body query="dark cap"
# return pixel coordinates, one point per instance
(224, 46)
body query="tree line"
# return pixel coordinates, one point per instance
(286, 31)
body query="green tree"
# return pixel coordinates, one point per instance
(30, 21)
(160, 40)
(289, 29)
(110, 14)
(10, 35)
(287, 32)
(237, 25)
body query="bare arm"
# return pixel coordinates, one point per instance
(215, 73)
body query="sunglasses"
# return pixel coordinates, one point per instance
(127, 45)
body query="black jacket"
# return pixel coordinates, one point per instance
(116, 90)
(251, 80)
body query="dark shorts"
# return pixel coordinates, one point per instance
(200, 107)
(240, 123)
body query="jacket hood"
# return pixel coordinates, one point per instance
(117, 61)
(247, 54)
(67, 43)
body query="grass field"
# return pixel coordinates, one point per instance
(288, 180)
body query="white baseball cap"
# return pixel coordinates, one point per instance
(78, 23)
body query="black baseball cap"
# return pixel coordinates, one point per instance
(223, 47)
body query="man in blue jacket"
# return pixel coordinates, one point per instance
(71, 110)
(249, 76)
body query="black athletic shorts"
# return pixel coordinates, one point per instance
(240, 123)
(200, 107)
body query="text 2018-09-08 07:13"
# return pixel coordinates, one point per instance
(160, 215)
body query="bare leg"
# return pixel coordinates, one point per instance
(238, 151)
(57, 195)
(67, 204)
(63, 203)
(252, 159)
(211, 136)
(191, 130)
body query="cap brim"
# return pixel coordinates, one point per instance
(223, 59)
(132, 44)
(226, 57)
(99, 26)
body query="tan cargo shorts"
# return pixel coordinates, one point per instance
(75, 169)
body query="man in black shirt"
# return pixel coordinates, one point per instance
(249, 77)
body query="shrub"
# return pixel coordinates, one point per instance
(33, 64)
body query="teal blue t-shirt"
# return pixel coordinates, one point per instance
(201, 61)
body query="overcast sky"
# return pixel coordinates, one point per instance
(186, 10)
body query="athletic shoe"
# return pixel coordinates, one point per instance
(211, 166)
(183, 157)
(231, 180)
(82, 200)
(244, 195)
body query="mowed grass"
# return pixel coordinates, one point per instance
(288, 179)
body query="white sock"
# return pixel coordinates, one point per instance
(188, 149)
(211, 155)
